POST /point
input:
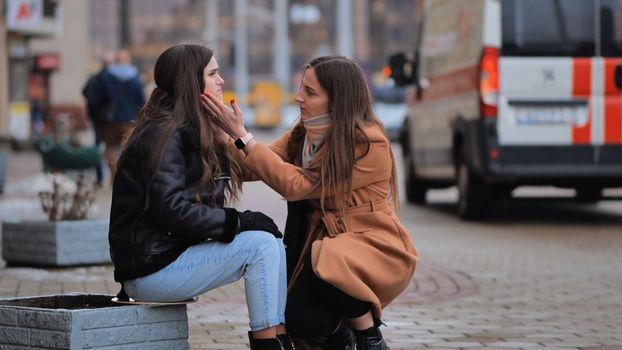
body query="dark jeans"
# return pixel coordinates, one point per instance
(315, 308)
(333, 297)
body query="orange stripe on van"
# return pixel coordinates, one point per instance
(613, 104)
(581, 87)
(613, 120)
(452, 83)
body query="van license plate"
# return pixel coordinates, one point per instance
(559, 115)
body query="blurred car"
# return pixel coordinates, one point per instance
(392, 117)
(389, 93)
(390, 108)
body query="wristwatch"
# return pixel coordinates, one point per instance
(243, 141)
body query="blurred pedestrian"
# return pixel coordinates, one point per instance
(171, 237)
(96, 106)
(39, 108)
(124, 95)
(348, 254)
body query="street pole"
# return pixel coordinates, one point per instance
(211, 26)
(344, 28)
(124, 18)
(361, 30)
(281, 45)
(4, 72)
(241, 53)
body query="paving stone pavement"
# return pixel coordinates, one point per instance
(527, 286)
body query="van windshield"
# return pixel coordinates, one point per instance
(548, 28)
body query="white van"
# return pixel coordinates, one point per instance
(513, 92)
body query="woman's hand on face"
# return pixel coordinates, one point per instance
(230, 120)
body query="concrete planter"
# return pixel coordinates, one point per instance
(87, 321)
(56, 243)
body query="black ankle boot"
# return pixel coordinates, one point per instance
(286, 341)
(370, 339)
(341, 339)
(264, 344)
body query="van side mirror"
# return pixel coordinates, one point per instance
(402, 69)
(618, 76)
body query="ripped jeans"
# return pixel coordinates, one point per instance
(255, 255)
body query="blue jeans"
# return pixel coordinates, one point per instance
(255, 255)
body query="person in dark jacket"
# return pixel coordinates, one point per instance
(124, 95)
(171, 235)
(95, 106)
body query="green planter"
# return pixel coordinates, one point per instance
(63, 156)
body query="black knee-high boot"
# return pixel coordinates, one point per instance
(264, 344)
(341, 339)
(286, 341)
(371, 338)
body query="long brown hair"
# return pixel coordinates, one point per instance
(175, 104)
(350, 110)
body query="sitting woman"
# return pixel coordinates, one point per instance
(337, 170)
(171, 236)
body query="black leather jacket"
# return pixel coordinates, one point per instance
(143, 241)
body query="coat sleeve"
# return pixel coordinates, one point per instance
(295, 183)
(173, 211)
(279, 147)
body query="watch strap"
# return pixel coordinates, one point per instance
(243, 141)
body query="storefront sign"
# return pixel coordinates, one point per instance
(24, 14)
(50, 61)
(33, 17)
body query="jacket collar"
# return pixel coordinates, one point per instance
(190, 135)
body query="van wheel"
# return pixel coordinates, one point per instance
(473, 195)
(415, 189)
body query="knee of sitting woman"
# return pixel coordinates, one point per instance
(261, 241)
(259, 237)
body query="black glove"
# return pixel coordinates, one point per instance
(236, 222)
(254, 220)
(231, 226)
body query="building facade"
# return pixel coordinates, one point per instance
(379, 28)
(22, 22)
(51, 60)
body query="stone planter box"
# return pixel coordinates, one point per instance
(56, 243)
(88, 321)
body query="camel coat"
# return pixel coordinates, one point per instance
(368, 253)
